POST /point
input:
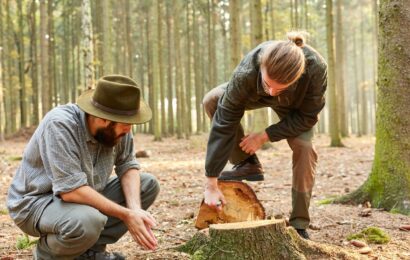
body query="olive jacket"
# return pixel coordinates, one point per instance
(298, 107)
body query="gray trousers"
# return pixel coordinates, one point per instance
(69, 229)
(304, 160)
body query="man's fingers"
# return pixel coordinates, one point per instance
(150, 221)
(145, 239)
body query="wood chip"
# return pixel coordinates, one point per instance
(365, 250)
(358, 243)
(365, 213)
(405, 228)
(314, 227)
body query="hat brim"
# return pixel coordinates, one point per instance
(143, 115)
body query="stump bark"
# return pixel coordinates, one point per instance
(262, 239)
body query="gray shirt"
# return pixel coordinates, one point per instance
(60, 157)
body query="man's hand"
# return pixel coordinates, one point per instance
(139, 223)
(253, 142)
(213, 196)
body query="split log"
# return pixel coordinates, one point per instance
(262, 239)
(241, 205)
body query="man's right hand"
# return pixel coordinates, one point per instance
(139, 223)
(213, 195)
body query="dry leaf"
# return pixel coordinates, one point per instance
(358, 243)
(365, 250)
(365, 213)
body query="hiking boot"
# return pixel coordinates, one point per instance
(100, 255)
(303, 233)
(249, 169)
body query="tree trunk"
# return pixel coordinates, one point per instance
(340, 71)
(388, 183)
(21, 64)
(52, 75)
(188, 77)
(170, 44)
(161, 68)
(363, 83)
(34, 68)
(65, 87)
(178, 72)
(235, 32)
(155, 71)
(334, 121)
(259, 240)
(197, 70)
(11, 122)
(128, 35)
(2, 79)
(106, 59)
(87, 45)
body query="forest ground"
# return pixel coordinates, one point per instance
(178, 164)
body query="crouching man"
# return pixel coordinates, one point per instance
(62, 192)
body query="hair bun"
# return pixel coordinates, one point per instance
(297, 37)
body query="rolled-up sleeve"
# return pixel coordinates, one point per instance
(61, 158)
(125, 158)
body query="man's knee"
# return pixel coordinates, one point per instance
(210, 100)
(150, 189)
(84, 225)
(302, 147)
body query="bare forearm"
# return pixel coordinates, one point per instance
(130, 183)
(88, 196)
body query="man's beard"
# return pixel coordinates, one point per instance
(107, 137)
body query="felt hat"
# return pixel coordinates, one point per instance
(116, 98)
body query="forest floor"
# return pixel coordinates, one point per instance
(179, 164)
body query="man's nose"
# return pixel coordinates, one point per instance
(126, 128)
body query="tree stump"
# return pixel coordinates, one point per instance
(262, 239)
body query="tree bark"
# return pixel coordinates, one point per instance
(170, 77)
(334, 117)
(34, 66)
(235, 32)
(340, 70)
(2, 79)
(87, 45)
(388, 185)
(21, 65)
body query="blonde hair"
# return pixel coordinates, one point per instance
(284, 61)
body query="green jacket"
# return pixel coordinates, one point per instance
(298, 107)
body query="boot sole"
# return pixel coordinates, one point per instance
(258, 177)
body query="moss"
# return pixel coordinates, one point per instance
(24, 242)
(395, 211)
(198, 255)
(327, 201)
(371, 235)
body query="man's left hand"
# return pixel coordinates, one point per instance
(253, 142)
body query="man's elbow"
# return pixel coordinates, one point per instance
(67, 196)
(71, 196)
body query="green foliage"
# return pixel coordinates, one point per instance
(24, 242)
(198, 255)
(327, 201)
(4, 212)
(371, 235)
(15, 158)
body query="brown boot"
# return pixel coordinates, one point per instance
(249, 169)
